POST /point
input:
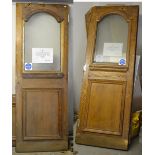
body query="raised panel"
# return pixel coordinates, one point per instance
(106, 104)
(42, 113)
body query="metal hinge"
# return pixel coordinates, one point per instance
(84, 67)
(68, 18)
(78, 123)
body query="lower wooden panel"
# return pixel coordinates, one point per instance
(108, 141)
(106, 104)
(102, 115)
(42, 146)
(42, 114)
(40, 124)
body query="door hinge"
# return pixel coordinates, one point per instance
(84, 67)
(78, 123)
(68, 18)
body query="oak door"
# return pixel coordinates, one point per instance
(41, 77)
(105, 104)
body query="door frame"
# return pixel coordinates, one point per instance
(23, 13)
(124, 74)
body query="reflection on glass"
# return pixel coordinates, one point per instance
(42, 43)
(111, 40)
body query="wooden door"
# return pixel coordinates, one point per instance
(105, 105)
(41, 77)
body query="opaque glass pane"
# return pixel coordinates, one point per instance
(111, 40)
(42, 43)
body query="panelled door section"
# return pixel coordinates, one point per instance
(41, 77)
(105, 104)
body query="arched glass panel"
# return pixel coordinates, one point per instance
(111, 40)
(42, 43)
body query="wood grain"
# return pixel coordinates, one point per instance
(101, 116)
(41, 97)
(42, 111)
(105, 103)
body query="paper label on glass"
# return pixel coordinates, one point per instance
(42, 55)
(101, 58)
(113, 49)
(114, 59)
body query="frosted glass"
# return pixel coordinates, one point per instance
(42, 31)
(111, 40)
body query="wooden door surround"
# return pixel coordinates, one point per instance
(41, 96)
(106, 95)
